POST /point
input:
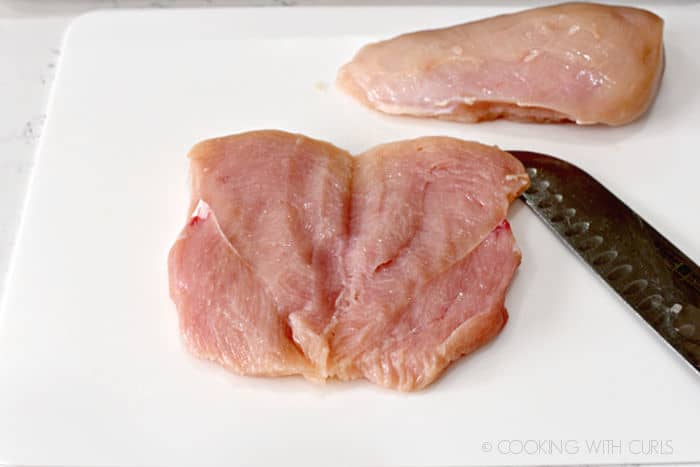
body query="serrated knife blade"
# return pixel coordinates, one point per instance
(653, 276)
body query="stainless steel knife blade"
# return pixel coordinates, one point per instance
(654, 277)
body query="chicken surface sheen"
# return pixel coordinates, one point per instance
(580, 62)
(301, 259)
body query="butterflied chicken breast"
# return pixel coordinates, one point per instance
(227, 312)
(420, 211)
(579, 62)
(301, 259)
(448, 316)
(281, 202)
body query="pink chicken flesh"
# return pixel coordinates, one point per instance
(301, 259)
(580, 62)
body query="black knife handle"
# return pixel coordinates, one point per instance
(654, 277)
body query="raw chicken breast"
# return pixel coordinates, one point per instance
(580, 62)
(446, 317)
(227, 313)
(419, 209)
(300, 259)
(281, 201)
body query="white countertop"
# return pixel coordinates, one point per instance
(29, 49)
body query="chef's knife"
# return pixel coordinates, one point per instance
(654, 277)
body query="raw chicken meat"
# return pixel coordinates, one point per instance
(227, 314)
(300, 259)
(419, 209)
(580, 62)
(281, 201)
(407, 345)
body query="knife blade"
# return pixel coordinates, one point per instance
(659, 281)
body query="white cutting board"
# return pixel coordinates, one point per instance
(92, 370)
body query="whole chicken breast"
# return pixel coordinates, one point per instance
(575, 62)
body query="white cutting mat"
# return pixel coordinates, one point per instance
(92, 370)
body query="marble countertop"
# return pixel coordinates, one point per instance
(29, 50)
